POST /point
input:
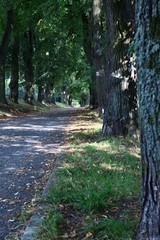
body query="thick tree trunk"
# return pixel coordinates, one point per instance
(119, 32)
(114, 121)
(148, 59)
(3, 54)
(28, 67)
(14, 71)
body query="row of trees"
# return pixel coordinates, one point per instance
(36, 49)
(120, 28)
(66, 43)
(91, 44)
(110, 55)
(126, 37)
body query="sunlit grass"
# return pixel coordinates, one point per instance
(100, 178)
(14, 109)
(61, 104)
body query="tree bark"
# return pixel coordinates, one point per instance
(14, 70)
(148, 62)
(98, 54)
(40, 97)
(93, 92)
(28, 66)
(2, 84)
(49, 94)
(88, 49)
(114, 121)
(3, 54)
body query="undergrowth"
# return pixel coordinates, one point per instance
(97, 190)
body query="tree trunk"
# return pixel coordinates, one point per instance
(40, 97)
(14, 71)
(69, 100)
(98, 57)
(148, 72)
(49, 95)
(93, 92)
(3, 54)
(113, 122)
(88, 49)
(2, 85)
(115, 105)
(28, 66)
(92, 31)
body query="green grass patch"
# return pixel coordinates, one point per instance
(52, 225)
(62, 104)
(111, 229)
(100, 181)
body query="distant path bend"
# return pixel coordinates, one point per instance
(26, 145)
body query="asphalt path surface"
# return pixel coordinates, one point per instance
(26, 144)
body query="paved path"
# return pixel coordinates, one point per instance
(26, 144)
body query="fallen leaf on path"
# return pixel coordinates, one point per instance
(5, 200)
(11, 220)
(12, 202)
(73, 234)
(16, 193)
(65, 235)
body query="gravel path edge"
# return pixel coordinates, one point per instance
(37, 218)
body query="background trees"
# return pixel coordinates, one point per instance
(46, 51)
(6, 28)
(39, 53)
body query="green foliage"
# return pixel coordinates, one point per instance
(61, 38)
(57, 30)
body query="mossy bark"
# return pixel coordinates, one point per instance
(147, 45)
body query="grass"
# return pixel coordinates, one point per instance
(52, 222)
(97, 190)
(62, 105)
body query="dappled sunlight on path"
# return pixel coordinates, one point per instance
(27, 155)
